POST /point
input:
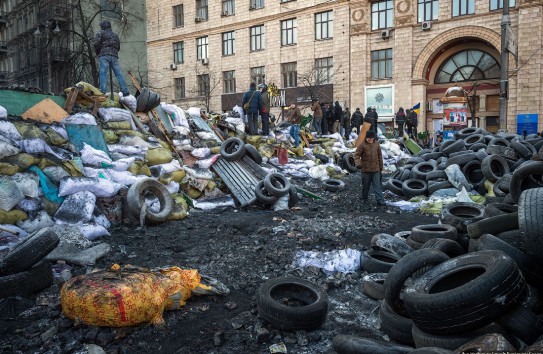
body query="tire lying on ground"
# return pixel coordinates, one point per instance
(395, 326)
(414, 187)
(494, 167)
(493, 225)
(452, 342)
(232, 149)
(27, 282)
(333, 185)
(292, 304)
(423, 233)
(530, 217)
(494, 209)
(292, 197)
(262, 194)
(522, 323)
(449, 247)
(372, 285)
(455, 146)
(276, 184)
(472, 171)
(348, 162)
(421, 170)
(373, 261)
(521, 174)
(460, 295)
(253, 153)
(389, 243)
(395, 186)
(136, 200)
(460, 214)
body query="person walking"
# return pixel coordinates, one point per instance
(412, 122)
(356, 120)
(107, 46)
(346, 123)
(252, 104)
(317, 116)
(375, 119)
(369, 160)
(265, 113)
(294, 117)
(400, 120)
(336, 119)
(369, 118)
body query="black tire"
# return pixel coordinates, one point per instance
(389, 243)
(522, 323)
(423, 233)
(493, 225)
(412, 243)
(276, 184)
(530, 217)
(497, 141)
(495, 209)
(513, 238)
(460, 215)
(414, 160)
(505, 152)
(494, 167)
(377, 261)
(472, 171)
(405, 175)
(421, 170)
(504, 183)
(414, 187)
(395, 186)
(437, 174)
(372, 285)
(456, 146)
(403, 235)
(451, 342)
(431, 350)
(449, 247)
(478, 147)
(432, 156)
(29, 251)
(292, 304)
(481, 154)
(395, 326)
(441, 163)
(422, 152)
(346, 344)
(27, 282)
(293, 198)
(474, 139)
(253, 153)
(469, 132)
(461, 153)
(520, 178)
(460, 295)
(516, 165)
(333, 185)
(522, 150)
(232, 149)
(136, 200)
(348, 162)
(403, 270)
(322, 158)
(446, 144)
(434, 187)
(262, 194)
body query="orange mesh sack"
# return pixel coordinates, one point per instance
(184, 281)
(120, 296)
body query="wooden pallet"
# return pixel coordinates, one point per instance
(74, 93)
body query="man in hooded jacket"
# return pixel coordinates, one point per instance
(107, 46)
(255, 103)
(265, 113)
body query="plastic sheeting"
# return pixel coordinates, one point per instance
(344, 261)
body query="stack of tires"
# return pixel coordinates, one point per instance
(274, 186)
(481, 157)
(477, 273)
(23, 271)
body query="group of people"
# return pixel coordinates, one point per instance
(409, 119)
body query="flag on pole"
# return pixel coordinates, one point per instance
(416, 108)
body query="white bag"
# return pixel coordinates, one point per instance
(41, 221)
(98, 186)
(7, 150)
(76, 208)
(80, 118)
(94, 157)
(10, 194)
(28, 184)
(8, 130)
(3, 113)
(130, 101)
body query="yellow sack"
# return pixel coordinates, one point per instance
(45, 162)
(22, 160)
(8, 169)
(194, 193)
(318, 150)
(266, 150)
(253, 139)
(211, 185)
(109, 136)
(73, 168)
(489, 188)
(55, 138)
(131, 133)
(11, 217)
(177, 176)
(165, 178)
(215, 150)
(299, 151)
(158, 156)
(180, 207)
(29, 131)
(87, 88)
(124, 125)
(49, 206)
(121, 296)
(140, 168)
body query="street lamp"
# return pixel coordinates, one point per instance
(38, 34)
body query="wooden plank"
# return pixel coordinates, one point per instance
(365, 127)
(46, 111)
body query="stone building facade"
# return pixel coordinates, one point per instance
(409, 51)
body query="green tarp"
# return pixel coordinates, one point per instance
(18, 102)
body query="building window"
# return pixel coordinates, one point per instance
(498, 4)
(179, 52)
(324, 68)
(324, 25)
(257, 38)
(111, 9)
(201, 48)
(228, 7)
(228, 40)
(428, 10)
(289, 32)
(282, 1)
(382, 14)
(258, 74)
(468, 65)
(201, 9)
(256, 4)
(381, 64)
(178, 17)
(290, 74)
(203, 85)
(179, 88)
(229, 80)
(463, 7)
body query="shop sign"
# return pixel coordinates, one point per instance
(382, 98)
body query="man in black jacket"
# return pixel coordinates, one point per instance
(356, 120)
(107, 45)
(336, 119)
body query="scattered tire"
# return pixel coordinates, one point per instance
(452, 342)
(494, 167)
(136, 200)
(433, 187)
(431, 156)
(293, 198)
(522, 323)
(253, 153)
(232, 149)
(493, 225)
(469, 132)
(377, 261)
(456, 146)
(346, 344)
(460, 295)
(530, 218)
(522, 150)
(495, 209)
(29, 251)
(421, 170)
(474, 139)
(497, 141)
(520, 176)
(414, 187)
(395, 186)
(472, 171)
(389, 243)
(348, 162)
(412, 243)
(372, 285)
(27, 282)
(405, 175)
(277, 184)
(449, 247)
(292, 304)
(262, 194)
(460, 215)
(423, 233)
(513, 238)
(481, 154)
(414, 160)
(333, 185)
(437, 174)
(395, 326)
(478, 147)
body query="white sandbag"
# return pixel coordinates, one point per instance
(10, 194)
(178, 114)
(206, 135)
(122, 164)
(8, 130)
(125, 178)
(41, 221)
(76, 208)
(101, 219)
(130, 101)
(200, 152)
(130, 140)
(206, 163)
(281, 203)
(28, 184)
(172, 187)
(116, 115)
(194, 111)
(30, 206)
(127, 149)
(319, 172)
(80, 118)
(60, 130)
(94, 157)
(98, 186)
(3, 113)
(181, 142)
(241, 113)
(239, 123)
(7, 150)
(182, 131)
(92, 231)
(213, 203)
(198, 173)
(166, 167)
(38, 146)
(55, 173)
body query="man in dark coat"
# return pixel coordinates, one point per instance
(356, 120)
(346, 123)
(370, 118)
(107, 46)
(369, 160)
(400, 120)
(265, 113)
(255, 104)
(336, 119)
(327, 113)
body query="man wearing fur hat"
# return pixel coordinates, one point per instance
(369, 161)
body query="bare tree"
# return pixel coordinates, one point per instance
(313, 80)
(205, 86)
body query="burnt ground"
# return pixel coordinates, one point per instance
(240, 247)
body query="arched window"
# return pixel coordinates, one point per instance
(468, 65)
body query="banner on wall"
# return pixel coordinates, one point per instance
(455, 114)
(382, 98)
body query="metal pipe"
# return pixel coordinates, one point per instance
(504, 81)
